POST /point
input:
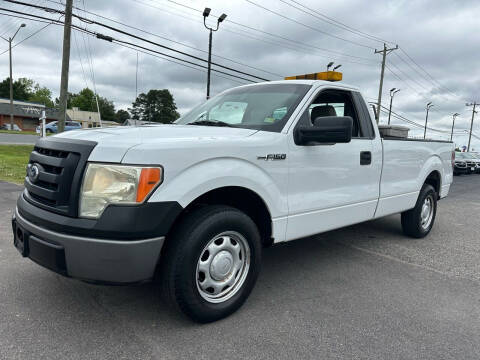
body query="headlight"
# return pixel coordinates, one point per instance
(106, 184)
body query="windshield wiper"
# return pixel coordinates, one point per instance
(210, 123)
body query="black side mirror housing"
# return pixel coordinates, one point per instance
(325, 130)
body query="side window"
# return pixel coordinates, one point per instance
(333, 103)
(366, 116)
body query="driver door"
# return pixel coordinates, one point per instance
(332, 185)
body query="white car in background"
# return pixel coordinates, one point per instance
(9, 127)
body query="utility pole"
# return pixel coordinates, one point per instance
(474, 104)
(384, 53)
(392, 94)
(429, 105)
(453, 125)
(10, 40)
(222, 17)
(67, 29)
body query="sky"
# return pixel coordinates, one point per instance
(439, 50)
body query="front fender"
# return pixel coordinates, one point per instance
(268, 182)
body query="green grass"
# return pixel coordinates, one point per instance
(18, 132)
(13, 162)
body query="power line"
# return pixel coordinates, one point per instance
(432, 83)
(80, 57)
(420, 126)
(89, 21)
(89, 57)
(333, 22)
(292, 42)
(414, 90)
(308, 26)
(9, 26)
(111, 39)
(29, 36)
(167, 39)
(180, 63)
(176, 58)
(426, 72)
(407, 76)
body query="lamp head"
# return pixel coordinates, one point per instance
(206, 12)
(222, 17)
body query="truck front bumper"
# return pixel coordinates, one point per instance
(86, 258)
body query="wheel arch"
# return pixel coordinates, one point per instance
(434, 178)
(241, 198)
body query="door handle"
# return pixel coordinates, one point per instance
(365, 158)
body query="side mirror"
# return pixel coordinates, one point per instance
(325, 130)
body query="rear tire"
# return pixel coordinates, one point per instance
(211, 262)
(418, 221)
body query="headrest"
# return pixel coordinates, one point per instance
(321, 111)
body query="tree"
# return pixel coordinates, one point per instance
(85, 101)
(107, 109)
(121, 116)
(42, 95)
(156, 105)
(22, 89)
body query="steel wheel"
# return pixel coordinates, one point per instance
(223, 266)
(426, 214)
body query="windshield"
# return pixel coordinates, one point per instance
(260, 107)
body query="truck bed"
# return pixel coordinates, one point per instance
(406, 164)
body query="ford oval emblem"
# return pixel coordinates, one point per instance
(33, 172)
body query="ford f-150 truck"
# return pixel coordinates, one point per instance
(193, 203)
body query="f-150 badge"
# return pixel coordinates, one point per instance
(272, 157)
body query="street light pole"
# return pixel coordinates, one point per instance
(10, 40)
(209, 71)
(453, 125)
(222, 17)
(429, 105)
(392, 94)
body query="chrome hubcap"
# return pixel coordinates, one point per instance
(426, 214)
(223, 266)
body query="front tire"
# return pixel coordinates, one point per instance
(211, 263)
(418, 221)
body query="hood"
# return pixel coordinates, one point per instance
(114, 142)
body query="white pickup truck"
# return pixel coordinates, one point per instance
(196, 201)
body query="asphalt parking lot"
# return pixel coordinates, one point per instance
(364, 292)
